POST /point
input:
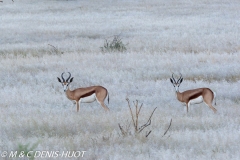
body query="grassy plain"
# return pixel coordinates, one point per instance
(198, 38)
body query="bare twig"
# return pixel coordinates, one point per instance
(137, 114)
(140, 108)
(122, 130)
(136, 108)
(131, 112)
(168, 128)
(125, 130)
(148, 122)
(148, 133)
(55, 49)
(135, 120)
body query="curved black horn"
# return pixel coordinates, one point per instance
(69, 76)
(62, 77)
(179, 78)
(173, 78)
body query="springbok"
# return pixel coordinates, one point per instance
(194, 96)
(84, 95)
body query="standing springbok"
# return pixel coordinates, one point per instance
(85, 95)
(194, 96)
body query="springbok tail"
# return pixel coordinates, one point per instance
(108, 98)
(215, 98)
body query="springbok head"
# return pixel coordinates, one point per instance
(176, 84)
(66, 82)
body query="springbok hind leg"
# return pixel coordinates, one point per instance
(210, 105)
(101, 102)
(104, 106)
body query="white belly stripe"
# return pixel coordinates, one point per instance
(196, 100)
(88, 99)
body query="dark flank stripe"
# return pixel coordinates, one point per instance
(87, 94)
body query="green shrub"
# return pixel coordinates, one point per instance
(27, 150)
(116, 45)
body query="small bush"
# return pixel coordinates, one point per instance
(135, 118)
(126, 130)
(116, 45)
(27, 150)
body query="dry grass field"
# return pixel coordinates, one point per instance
(41, 39)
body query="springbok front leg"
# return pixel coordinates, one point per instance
(78, 105)
(188, 105)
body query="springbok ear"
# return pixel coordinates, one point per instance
(59, 80)
(71, 79)
(171, 80)
(181, 80)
